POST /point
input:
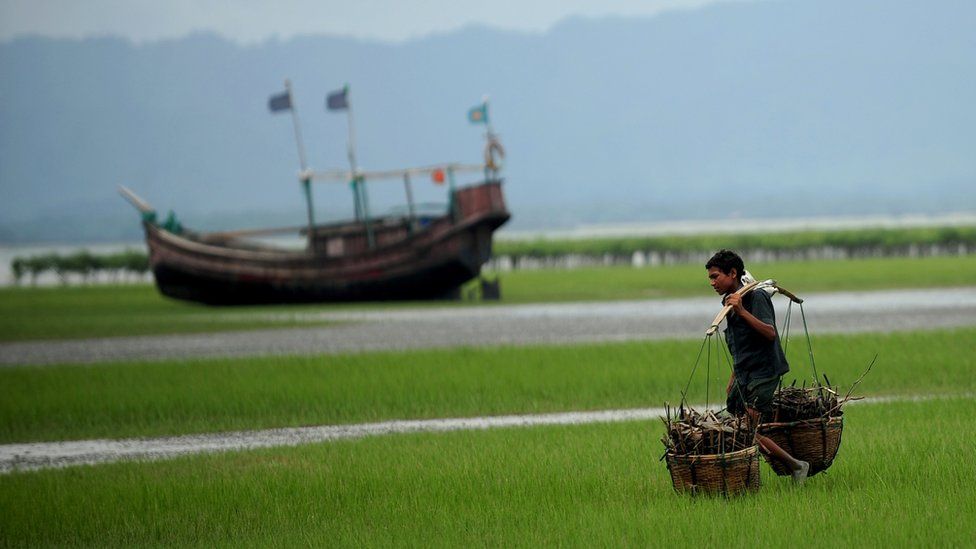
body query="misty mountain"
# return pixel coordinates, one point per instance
(752, 109)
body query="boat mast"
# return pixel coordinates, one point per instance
(410, 207)
(298, 129)
(287, 101)
(306, 181)
(360, 196)
(491, 146)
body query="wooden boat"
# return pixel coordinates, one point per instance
(385, 258)
(369, 258)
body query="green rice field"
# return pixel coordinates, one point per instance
(125, 310)
(903, 477)
(207, 395)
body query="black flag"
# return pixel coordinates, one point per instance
(336, 101)
(280, 102)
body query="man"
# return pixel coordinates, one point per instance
(759, 361)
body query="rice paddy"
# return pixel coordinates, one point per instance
(196, 396)
(903, 475)
(901, 478)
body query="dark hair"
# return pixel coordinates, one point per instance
(725, 261)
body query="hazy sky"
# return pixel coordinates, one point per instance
(247, 21)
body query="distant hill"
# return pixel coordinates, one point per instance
(746, 109)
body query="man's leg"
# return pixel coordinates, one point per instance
(799, 468)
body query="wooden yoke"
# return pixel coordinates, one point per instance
(725, 310)
(744, 290)
(787, 293)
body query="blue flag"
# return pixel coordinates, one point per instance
(336, 101)
(280, 102)
(479, 114)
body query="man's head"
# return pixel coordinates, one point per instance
(725, 270)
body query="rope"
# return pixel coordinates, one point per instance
(813, 363)
(708, 372)
(728, 360)
(684, 394)
(787, 322)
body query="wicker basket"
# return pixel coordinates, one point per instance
(815, 441)
(725, 474)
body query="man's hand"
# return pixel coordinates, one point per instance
(768, 331)
(734, 301)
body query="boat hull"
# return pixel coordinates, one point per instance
(407, 260)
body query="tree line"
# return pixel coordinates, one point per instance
(853, 243)
(83, 264)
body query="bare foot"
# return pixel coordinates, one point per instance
(800, 475)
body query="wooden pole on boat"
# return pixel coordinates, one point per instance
(365, 203)
(410, 209)
(307, 187)
(489, 137)
(298, 129)
(351, 145)
(359, 183)
(452, 202)
(306, 181)
(488, 128)
(350, 150)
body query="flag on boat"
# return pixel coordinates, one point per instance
(479, 114)
(336, 101)
(280, 102)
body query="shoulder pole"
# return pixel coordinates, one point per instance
(726, 309)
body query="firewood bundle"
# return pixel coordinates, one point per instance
(692, 433)
(798, 404)
(805, 403)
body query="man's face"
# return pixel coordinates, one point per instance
(723, 283)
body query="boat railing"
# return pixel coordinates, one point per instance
(358, 179)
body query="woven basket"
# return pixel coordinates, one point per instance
(725, 474)
(815, 441)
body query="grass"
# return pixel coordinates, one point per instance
(103, 311)
(73, 312)
(178, 397)
(902, 478)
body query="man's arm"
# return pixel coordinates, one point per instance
(768, 331)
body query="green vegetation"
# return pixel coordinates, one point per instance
(887, 241)
(100, 311)
(124, 310)
(83, 264)
(901, 479)
(853, 241)
(177, 397)
(803, 277)
(903, 464)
